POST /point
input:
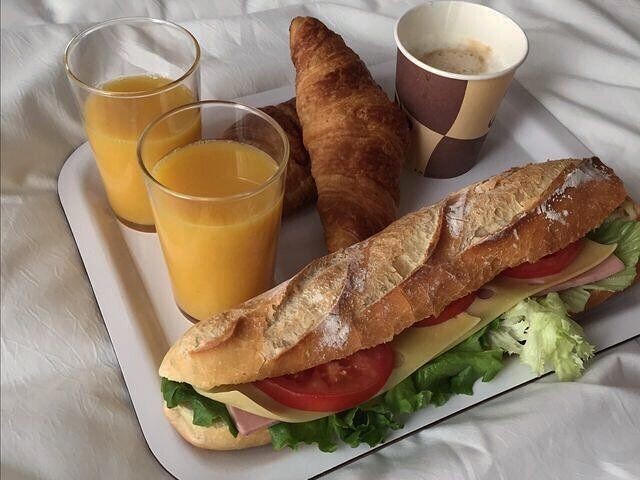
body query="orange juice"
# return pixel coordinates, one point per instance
(113, 126)
(220, 248)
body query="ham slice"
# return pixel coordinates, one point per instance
(248, 422)
(609, 266)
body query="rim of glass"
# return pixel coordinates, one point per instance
(129, 20)
(205, 103)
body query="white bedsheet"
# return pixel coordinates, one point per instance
(65, 409)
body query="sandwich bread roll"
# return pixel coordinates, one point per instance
(366, 294)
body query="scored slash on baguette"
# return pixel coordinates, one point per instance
(364, 295)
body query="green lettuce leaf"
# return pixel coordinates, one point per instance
(405, 397)
(458, 369)
(626, 234)
(575, 298)
(206, 412)
(368, 423)
(541, 331)
(321, 431)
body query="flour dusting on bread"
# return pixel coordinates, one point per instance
(334, 331)
(587, 171)
(455, 215)
(550, 214)
(315, 291)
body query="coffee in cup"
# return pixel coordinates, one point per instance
(472, 58)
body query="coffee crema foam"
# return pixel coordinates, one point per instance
(472, 58)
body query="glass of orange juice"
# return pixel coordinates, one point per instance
(124, 73)
(217, 202)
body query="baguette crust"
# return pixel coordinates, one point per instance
(598, 297)
(216, 437)
(364, 295)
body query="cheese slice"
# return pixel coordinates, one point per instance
(416, 346)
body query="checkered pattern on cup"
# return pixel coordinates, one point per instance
(450, 114)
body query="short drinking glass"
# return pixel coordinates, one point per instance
(124, 73)
(217, 202)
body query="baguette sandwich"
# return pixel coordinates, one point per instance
(359, 339)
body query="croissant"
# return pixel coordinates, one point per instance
(356, 137)
(300, 188)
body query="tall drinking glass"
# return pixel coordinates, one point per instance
(217, 202)
(124, 73)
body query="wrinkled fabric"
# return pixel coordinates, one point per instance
(65, 409)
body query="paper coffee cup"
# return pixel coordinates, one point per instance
(450, 111)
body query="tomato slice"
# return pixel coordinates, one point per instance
(336, 385)
(549, 265)
(454, 308)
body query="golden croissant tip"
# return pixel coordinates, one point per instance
(297, 21)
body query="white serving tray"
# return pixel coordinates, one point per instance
(132, 288)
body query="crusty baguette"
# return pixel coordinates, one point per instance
(366, 294)
(216, 437)
(598, 297)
